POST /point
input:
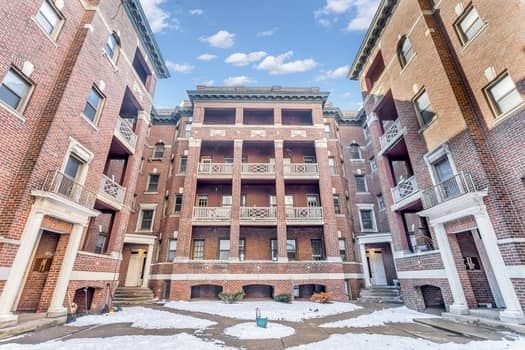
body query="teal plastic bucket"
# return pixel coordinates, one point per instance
(262, 322)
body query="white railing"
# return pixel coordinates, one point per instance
(211, 213)
(301, 169)
(125, 129)
(62, 185)
(258, 213)
(391, 135)
(304, 213)
(404, 189)
(456, 186)
(215, 168)
(111, 188)
(257, 168)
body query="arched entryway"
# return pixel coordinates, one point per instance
(205, 291)
(258, 291)
(432, 297)
(305, 291)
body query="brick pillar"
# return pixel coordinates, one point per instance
(279, 194)
(238, 115)
(331, 240)
(236, 198)
(188, 198)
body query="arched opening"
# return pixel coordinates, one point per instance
(205, 291)
(405, 51)
(432, 297)
(84, 298)
(258, 291)
(305, 291)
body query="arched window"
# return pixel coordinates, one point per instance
(112, 46)
(158, 152)
(405, 52)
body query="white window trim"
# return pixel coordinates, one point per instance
(420, 93)
(490, 98)
(367, 206)
(384, 204)
(459, 30)
(366, 184)
(439, 153)
(148, 183)
(81, 152)
(18, 112)
(56, 31)
(177, 213)
(180, 162)
(94, 123)
(142, 207)
(169, 250)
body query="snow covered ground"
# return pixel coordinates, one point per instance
(393, 342)
(295, 312)
(182, 341)
(380, 318)
(249, 330)
(141, 317)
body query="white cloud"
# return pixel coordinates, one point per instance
(337, 6)
(158, 18)
(268, 32)
(359, 12)
(180, 68)
(347, 94)
(238, 81)
(196, 12)
(364, 12)
(222, 39)
(243, 59)
(336, 73)
(206, 57)
(324, 22)
(277, 64)
(208, 83)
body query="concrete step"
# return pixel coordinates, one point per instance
(380, 292)
(136, 294)
(132, 302)
(132, 295)
(488, 322)
(389, 300)
(468, 330)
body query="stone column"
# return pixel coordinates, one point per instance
(236, 199)
(56, 308)
(147, 267)
(16, 276)
(280, 192)
(460, 303)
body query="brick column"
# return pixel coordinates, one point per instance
(331, 240)
(279, 194)
(188, 201)
(236, 198)
(238, 115)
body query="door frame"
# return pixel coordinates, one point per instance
(372, 278)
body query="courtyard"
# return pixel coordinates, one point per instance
(299, 325)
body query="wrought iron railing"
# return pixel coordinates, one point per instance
(257, 168)
(258, 213)
(64, 186)
(453, 187)
(392, 134)
(304, 213)
(404, 189)
(301, 169)
(111, 188)
(125, 129)
(211, 213)
(215, 168)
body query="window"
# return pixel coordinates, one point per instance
(424, 109)
(183, 163)
(141, 68)
(317, 249)
(14, 90)
(158, 151)
(153, 183)
(380, 202)
(312, 200)
(165, 206)
(172, 249)
(224, 249)
(202, 200)
(405, 52)
(49, 18)
(112, 46)
(331, 164)
(100, 244)
(449, 186)
(273, 249)
(309, 159)
(242, 249)
(366, 131)
(373, 165)
(227, 200)
(93, 105)
(178, 204)
(146, 219)
(291, 249)
(327, 132)
(243, 200)
(337, 204)
(187, 130)
(355, 152)
(469, 24)
(360, 183)
(273, 201)
(342, 248)
(197, 253)
(367, 219)
(288, 200)
(503, 94)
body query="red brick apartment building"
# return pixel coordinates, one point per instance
(443, 85)
(76, 85)
(244, 189)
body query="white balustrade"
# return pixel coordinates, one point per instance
(257, 168)
(109, 187)
(404, 189)
(304, 213)
(391, 135)
(211, 213)
(125, 130)
(258, 213)
(215, 168)
(301, 169)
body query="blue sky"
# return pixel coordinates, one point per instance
(259, 43)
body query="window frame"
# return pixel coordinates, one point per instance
(403, 59)
(360, 176)
(356, 146)
(155, 155)
(53, 35)
(332, 164)
(381, 205)
(200, 251)
(367, 207)
(148, 189)
(168, 254)
(342, 252)
(227, 251)
(494, 106)
(242, 249)
(291, 254)
(463, 39)
(274, 249)
(24, 100)
(338, 208)
(116, 50)
(140, 221)
(321, 255)
(183, 164)
(177, 205)
(422, 124)
(98, 111)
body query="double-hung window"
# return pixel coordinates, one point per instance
(424, 109)
(503, 94)
(49, 18)
(172, 249)
(291, 249)
(93, 105)
(469, 24)
(224, 249)
(178, 204)
(112, 46)
(198, 249)
(14, 90)
(273, 249)
(146, 219)
(317, 249)
(153, 183)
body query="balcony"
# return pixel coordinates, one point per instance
(304, 215)
(393, 134)
(65, 187)
(207, 215)
(447, 190)
(125, 134)
(405, 192)
(111, 192)
(258, 170)
(301, 170)
(258, 215)
(215, 170)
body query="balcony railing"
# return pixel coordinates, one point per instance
(258, 214)
(125, 130)
(301, 169)
(64, 186)
(112, 189)
(305, 214)
(391, 135)
(456, 186)
(257, 169)
(404, 189)
(215, 169)
(211, 213)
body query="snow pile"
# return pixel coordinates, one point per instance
(394, 342)
(295, 312)
(249, 330)
(182, 341)
(141, 317)
(380, 318)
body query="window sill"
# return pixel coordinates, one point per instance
(362, 193)
(501, 117)
(357, 160)
(151, 193)
(52, 39)
(466, 44)
(12, 111)
(156, 159)
(144, 231)
(93, 125)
